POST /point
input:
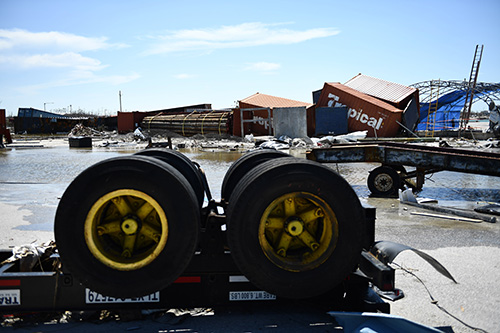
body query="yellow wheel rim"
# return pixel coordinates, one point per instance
(298, 231)
(126, 229)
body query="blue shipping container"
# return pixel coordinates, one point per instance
(331, 121)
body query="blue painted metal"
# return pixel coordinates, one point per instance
(35, 113)
(331, 121)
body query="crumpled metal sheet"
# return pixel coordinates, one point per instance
(386, 251)
(30, 255)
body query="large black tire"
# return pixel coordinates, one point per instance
(295, 227)
(181, 163)
(245, 163)
(384, 181)
(127, 226)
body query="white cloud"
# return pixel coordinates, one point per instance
(53, 40)
(263, 66)
(26, 50)
(242, 35)
(68, 59)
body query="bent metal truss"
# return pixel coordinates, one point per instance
(486, 92)
(442, 103)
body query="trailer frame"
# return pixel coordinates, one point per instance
(425, 159)
(211, 279)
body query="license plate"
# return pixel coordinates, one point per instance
(92, 297)
(9, 297)
(251, 296)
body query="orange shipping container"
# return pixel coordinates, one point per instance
(379, 118)
(259, 100)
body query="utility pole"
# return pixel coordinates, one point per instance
(45, 104)
(120, 96)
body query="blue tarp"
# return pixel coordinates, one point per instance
(447, 116)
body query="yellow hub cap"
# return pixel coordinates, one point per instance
(298, 231)
(126, 229)
(130, 226)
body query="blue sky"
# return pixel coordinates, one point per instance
(163, 54)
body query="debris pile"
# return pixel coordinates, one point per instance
(81, 130)
(32, 257)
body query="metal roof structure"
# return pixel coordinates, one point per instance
(385, 90)
(486, 92)
(442, 102)
(263, 100)
(35, 113)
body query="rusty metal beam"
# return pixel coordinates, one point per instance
(390, 153)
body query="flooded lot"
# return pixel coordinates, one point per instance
(32, 180)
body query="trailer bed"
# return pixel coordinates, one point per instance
(419, 156)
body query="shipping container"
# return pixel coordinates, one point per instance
(316, 94)
(33, 125)
(393, 93)
(34, 121)
(331, 121)
(379, 118)
(256, 121)
(265, 102)
(4, 131)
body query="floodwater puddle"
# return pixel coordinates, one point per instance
(35, 179)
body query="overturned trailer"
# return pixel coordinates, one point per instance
(135, 231)
(391, 176)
